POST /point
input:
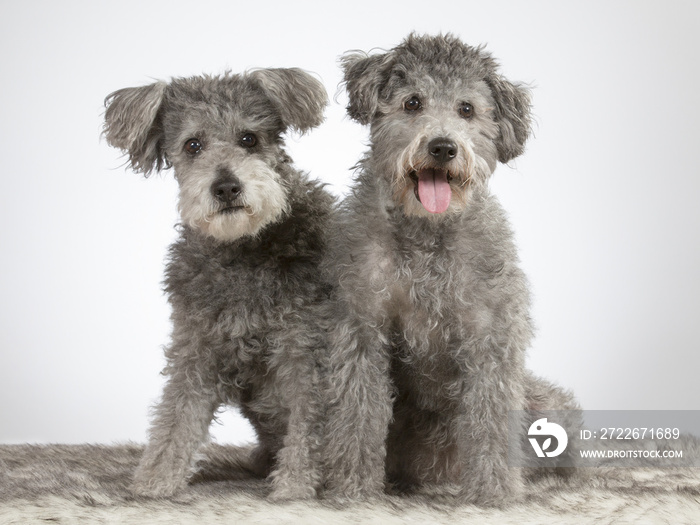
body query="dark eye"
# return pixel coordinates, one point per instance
(466, 110)
(249, 140)
(193, 146)
(412, 104)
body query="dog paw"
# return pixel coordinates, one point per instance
(353, 494)
(282, 493)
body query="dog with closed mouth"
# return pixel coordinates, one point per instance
(243, 278)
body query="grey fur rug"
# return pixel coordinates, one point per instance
(89, 484)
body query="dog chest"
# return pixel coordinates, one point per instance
(234, 294)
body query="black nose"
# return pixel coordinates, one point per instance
(442, 149)
(226, 189)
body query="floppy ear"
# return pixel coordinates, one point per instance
(364, 77)
(132, 124)
(298, 96)
(512, 114)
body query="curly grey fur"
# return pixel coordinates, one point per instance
(243, 278)
(428, 353)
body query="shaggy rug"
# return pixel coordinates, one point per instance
(87, 484)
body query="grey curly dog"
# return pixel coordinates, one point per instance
(428, 351)
(243, 277)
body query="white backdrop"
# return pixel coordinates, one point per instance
(604, 202)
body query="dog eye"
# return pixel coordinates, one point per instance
(249, 140)
(412, 104)
(466, 110)
(193, 146)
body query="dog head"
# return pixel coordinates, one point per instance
(441, 118)
(223, 137)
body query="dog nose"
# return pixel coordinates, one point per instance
(442, 149)
(226, 189)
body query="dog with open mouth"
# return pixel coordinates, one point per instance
(428, 353)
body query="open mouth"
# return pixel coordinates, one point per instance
(432, 188)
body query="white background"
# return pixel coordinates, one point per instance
(604, 202)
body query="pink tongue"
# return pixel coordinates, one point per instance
(434, 190)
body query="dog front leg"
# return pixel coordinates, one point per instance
(297, 474)
(359, 412)
(481, 429)
(180, 427)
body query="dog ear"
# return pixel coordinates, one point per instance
(364, 76)
(512, 115)
(299, 97)
(132, 125)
